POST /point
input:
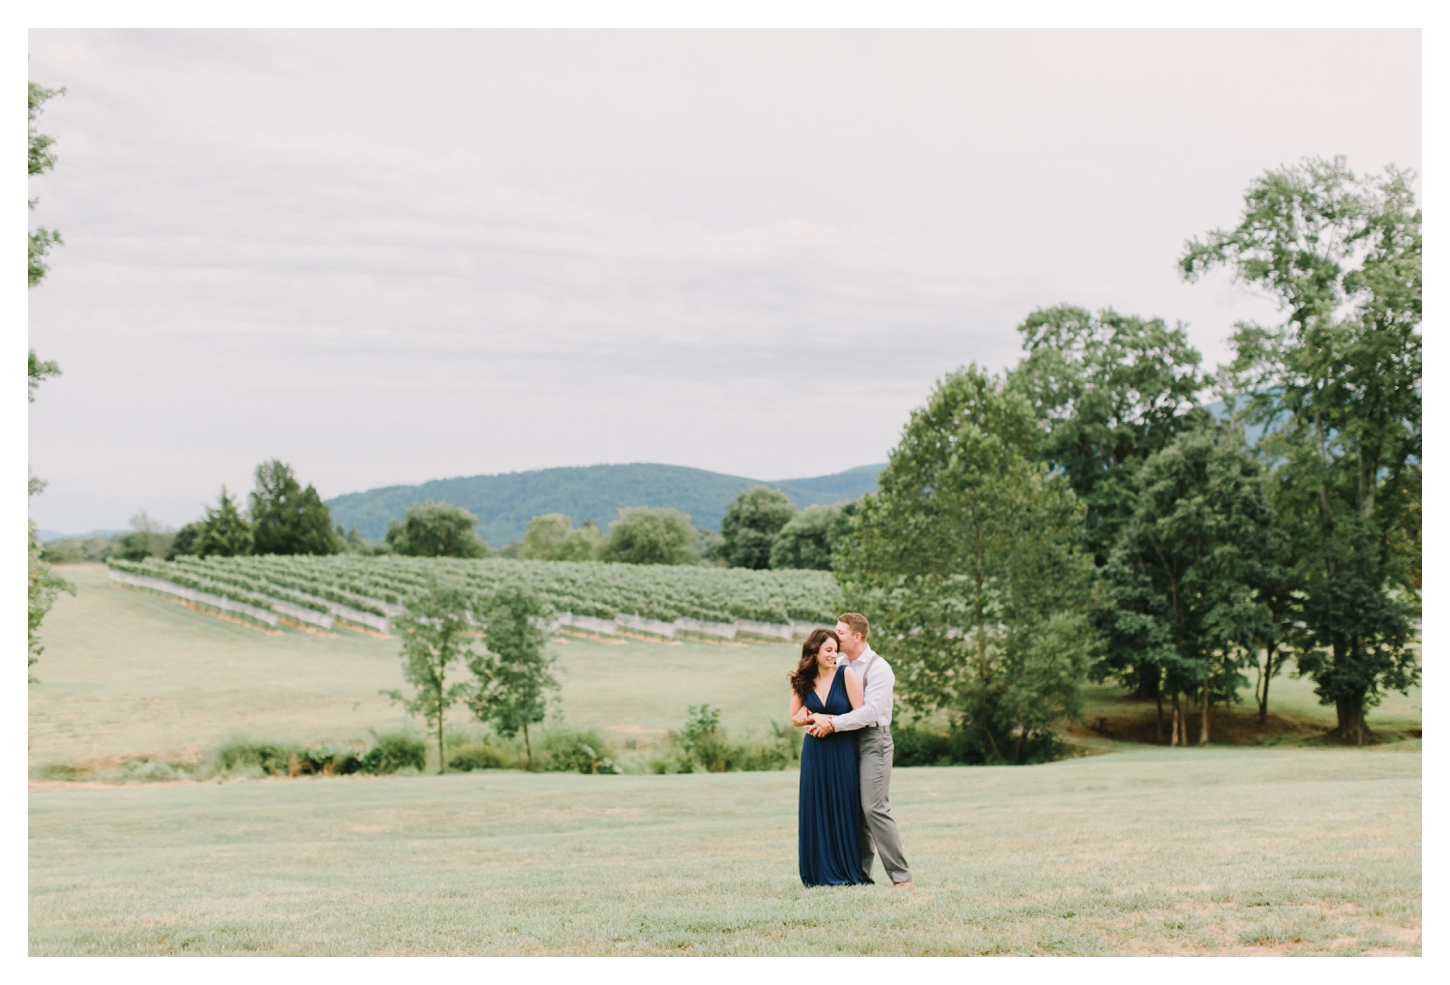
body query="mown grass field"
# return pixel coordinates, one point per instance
(1146, 851)
(1154, 852)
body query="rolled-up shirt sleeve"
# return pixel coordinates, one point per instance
(877, 701)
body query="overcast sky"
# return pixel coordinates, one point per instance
(393, 256)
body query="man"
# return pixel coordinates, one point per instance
(874, 748)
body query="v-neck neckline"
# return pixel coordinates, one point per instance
(823, 700)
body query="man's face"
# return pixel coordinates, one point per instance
(850, 640)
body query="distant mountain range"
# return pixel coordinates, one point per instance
(504, 504)
(46, 536)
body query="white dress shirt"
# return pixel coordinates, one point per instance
(877, 680)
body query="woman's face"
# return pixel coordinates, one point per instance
(826, 655)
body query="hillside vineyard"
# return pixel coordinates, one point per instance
(321, 593)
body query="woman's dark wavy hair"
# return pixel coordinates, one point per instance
(804, 678)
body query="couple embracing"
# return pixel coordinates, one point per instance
(841, 694)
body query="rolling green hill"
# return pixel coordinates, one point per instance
(504, 504)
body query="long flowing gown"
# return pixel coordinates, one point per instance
(830, 806)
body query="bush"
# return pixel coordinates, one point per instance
(578, 752)
(916, 744)
(702, 745)
(475, 756)
(395, 752)
(242, 757)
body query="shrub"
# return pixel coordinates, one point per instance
(916, 745)
(267, 758)
(703, 745)
(327, 760)
(919, 745)
(475, 756)
(395, 752)
(578, 752)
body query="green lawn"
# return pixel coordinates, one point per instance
(1150, 852)
(1146, 851)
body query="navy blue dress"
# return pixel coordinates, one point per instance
(830, 808)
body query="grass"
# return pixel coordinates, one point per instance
(1216, 851)
(127, 674)
(1224, 850)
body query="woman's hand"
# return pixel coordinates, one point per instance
(802, 716)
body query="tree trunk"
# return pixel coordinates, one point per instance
(442, 760)
(1158, 730)
(1203, 725)
(1176, 720)
(1352, 728)
(1268, 676)
(528, 750)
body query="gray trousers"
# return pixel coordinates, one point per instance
(878, 828)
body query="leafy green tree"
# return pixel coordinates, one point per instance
(147, 538)
(224, 531)
(1108, 390)
(40, 370)
(1336, 385)
(44, 587)
(435, 637)
(1184, 575)
(751, 523)
(650, 536)
(436, 530)
(707, 544)
(969, 561)
(512, 678)
(552, 537)
(287, 519)
(42, 159)
(805, 542)
(185, 541)
(351, 541)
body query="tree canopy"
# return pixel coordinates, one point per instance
(434, 631)
(512, 679)
(650, 536)
(41, 160)
(436, 530)
(286, 518)
(224, 531)
(1336, 385)
(750, 525)
(1108, 391)
(1184, 573)
(805, 542)
(968, 560)
(552, 537)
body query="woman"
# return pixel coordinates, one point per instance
(830, 806)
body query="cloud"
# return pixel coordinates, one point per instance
(394, 256)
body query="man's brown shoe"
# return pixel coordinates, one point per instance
(908, 884)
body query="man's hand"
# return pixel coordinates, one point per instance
(821, 726)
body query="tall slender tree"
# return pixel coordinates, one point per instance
(435, 637)
(512, 679)
(1337, 387)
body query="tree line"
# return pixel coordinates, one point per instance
(761, 529)
(1086, 515)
